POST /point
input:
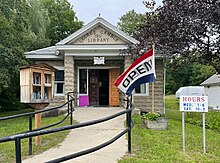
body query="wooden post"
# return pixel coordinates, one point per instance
(152, 98)
(37, 125)
(153, 46)
(38, 107)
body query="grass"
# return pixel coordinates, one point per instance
(9, 127)
(166, 146)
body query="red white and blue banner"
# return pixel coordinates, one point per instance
(141, 71)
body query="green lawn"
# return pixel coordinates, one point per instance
(9, 127)
(166, 146)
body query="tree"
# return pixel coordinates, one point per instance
(11, 57)
(181, 73)
(130, 21)
(200, 73)
(183, 27)
(38, 19)
(24, 26)
(63, 20)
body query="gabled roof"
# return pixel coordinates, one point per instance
(93, 24)
(213, 80)
(39, 65)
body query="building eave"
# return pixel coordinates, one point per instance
(43, 56)
(47, 50)
(91, 47)
(44, 53)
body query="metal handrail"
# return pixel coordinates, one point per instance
(69, 94)
(33, 113)
(129, 123)
(71, 109)
(90, 150)
(30, 114)
(17, 138)
(51, 125)
(63, 128)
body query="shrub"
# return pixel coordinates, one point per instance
(152, 116)
(212, 119)
(10, 105)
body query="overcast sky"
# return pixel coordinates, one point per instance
(111, 10)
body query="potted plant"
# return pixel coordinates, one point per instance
(155, 121)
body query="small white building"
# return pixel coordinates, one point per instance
(212, 90)
(190, 91)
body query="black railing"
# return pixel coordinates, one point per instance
(71, 95)
(129, 124)
(69, 103)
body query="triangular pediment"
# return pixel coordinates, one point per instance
(98, 32)
(99, 35)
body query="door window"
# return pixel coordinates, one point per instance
(83, 81)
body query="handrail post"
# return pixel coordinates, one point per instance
(71, 115)
(128, 117)
(30, 139)
(18, 150)
(68, 99)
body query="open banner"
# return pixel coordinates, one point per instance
(141, 71)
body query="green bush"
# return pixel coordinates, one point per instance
(10, 105)
(152, 116)
(212, 119)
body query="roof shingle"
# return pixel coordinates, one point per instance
(213, 80)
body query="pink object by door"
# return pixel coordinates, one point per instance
(83, 100)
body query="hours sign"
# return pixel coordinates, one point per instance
(194, 103)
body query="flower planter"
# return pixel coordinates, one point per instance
(159, 124)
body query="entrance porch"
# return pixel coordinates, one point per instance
(95, 86)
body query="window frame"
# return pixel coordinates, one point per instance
(62, 82)
(143, 94)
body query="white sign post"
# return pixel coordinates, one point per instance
(194, 104)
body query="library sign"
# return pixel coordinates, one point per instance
(99, 35)
(194, 103)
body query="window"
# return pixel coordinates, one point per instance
(83, 81)
(59, 75)
(59, 83)
(142, 89)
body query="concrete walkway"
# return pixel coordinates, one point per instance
(87, 137)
